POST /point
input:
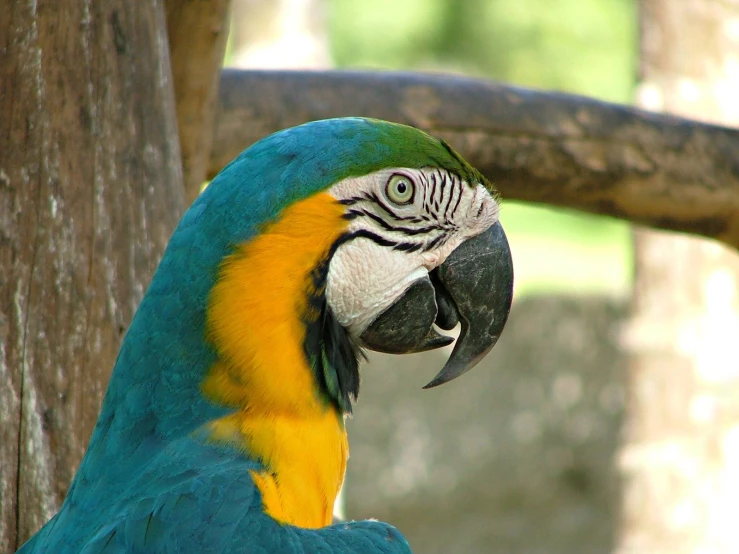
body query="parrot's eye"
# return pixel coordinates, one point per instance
(400, 189)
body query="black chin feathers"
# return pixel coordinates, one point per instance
(332, 354)
(339, 362)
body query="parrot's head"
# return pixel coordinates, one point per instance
(386, 233)
(314, 243)
(423, 249)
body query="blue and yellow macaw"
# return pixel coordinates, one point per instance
(222, 429)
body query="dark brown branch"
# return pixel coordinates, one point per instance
(544, 147)
(197, 32)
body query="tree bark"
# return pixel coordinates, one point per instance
(197, 32)
(90, 191)
(544, 147)
(680, 462)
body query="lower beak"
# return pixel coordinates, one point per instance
(474, 286)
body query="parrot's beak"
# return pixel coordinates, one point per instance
(474, 286)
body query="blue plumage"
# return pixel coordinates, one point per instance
(197, 498)
(148, 482)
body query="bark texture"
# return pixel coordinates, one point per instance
(197, 32)
(90, 191)
(680, 462)
(544, 147)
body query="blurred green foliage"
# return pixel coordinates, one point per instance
(580, 46)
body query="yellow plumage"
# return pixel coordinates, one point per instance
(255, 321)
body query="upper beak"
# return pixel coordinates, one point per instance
(474, 286)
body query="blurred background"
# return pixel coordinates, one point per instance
(542, 449)
(580, 46)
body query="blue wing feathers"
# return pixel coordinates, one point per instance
(197, 498)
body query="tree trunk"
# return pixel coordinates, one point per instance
(90, 191)
(197, 32)
(681, 458)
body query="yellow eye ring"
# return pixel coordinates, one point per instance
(400, 189)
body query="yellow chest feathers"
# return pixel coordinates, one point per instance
(255, 320)
(305, 460)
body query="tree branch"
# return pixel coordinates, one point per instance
(546, 147)
(197, 32)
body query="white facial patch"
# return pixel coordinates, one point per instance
(390, 245)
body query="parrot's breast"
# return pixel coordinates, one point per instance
(256, 321)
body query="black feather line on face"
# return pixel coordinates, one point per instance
(332, 354)
(408, 231)
(374, 199)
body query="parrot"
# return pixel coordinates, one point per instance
(223, 425)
